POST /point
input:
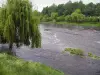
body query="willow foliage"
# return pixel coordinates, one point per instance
(18, 23)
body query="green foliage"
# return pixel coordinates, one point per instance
(72, 12)
(90, 54)
(36, 13)
(75, 51)
(68, 18)
(77, 16)
(92, 19)
(54, 15)
(60, 18)
(93, 56)
(10, 65)
(46, 18)
(19, 23)
(69, 7)
(80, 53)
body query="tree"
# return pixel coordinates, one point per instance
(54, 15)
(68, 8)
(36, 13)
(19, 24)
(77, 16)
(45, 11)
(97, 9)
(68, 18)
(89, 9)
(60, 9)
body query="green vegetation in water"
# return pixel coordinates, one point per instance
(10, 65)
(74, 51)
(80, 53)
(93, 56)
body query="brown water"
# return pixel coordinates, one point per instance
(55, 38)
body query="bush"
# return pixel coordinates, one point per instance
(60, 18)
(92, 19)
(68, 18)
(76, 16)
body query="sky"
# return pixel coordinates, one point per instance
(39, 4)
(43, 3)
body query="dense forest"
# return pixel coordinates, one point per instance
(72, 12)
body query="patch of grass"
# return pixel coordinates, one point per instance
(93, 56)
(7, 51)
(75, 51)
(10, 65)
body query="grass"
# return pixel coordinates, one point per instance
(10, 65)
(74, 51)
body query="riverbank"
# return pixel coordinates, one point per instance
(85, 24)
(10, 65)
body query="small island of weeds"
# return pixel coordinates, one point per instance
(80, 52)
(93, 56)
(75, 51)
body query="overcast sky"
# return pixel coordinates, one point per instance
(39, 4)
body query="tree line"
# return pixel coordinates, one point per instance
(72, 12)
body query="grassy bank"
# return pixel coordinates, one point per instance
(10, 65)
(75, 24)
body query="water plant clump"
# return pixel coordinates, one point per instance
(75, 51)
(93, 56)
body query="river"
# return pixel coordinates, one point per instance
(55, 38)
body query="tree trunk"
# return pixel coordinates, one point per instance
(10, 46)
(10, 49)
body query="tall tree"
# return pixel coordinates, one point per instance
(19, 24)
(89, 9)
(77, 16)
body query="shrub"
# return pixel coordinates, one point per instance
(68, 18)
(60, 18)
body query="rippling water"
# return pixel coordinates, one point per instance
(57, 38)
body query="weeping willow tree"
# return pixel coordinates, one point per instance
(18, 25)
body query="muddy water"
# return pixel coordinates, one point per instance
(55, 39)
(58, 38)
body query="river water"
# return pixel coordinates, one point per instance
(55, 38)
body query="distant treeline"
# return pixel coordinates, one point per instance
(71, 12)
(68, 8)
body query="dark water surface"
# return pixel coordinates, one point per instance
(55, 39)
